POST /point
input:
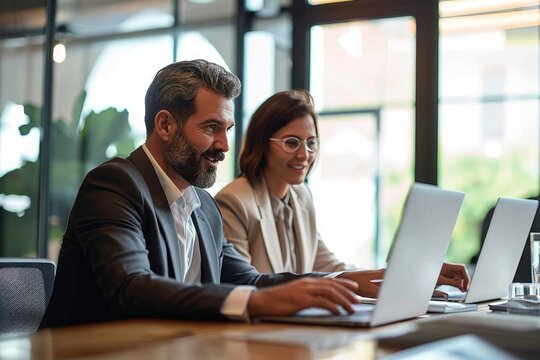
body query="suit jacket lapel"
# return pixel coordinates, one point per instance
(268, 226)
(210, 271)
(161, 206)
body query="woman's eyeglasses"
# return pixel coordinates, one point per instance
(292, 144)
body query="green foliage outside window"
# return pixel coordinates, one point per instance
(483, 180)
(77, 146)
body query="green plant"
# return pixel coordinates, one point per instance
(483, 181)
(76, 147)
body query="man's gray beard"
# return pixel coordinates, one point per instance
(183, 158)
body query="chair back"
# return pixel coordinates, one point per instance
(25, 289)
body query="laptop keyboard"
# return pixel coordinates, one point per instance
(454, 294)
(363, 315)
(363, 312)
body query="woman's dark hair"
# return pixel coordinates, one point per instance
(276, 112)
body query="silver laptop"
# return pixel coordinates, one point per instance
(506, 236)
(418, 251)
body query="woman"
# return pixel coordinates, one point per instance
(268, 211)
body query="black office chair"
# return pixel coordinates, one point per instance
(25, 289)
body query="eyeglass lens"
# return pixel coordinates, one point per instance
(292, 144)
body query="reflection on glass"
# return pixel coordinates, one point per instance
(488, 123)
(343, 186)
(267, 61)
(112, 99)
(362, 80)
(20, 119)
(259, 70)
(98, 100)
(363, 63)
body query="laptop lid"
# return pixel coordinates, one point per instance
(505, 239)
(428, 219)
(418, 251)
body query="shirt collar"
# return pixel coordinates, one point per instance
(278, 205)
(172, 193)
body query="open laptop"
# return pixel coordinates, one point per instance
(418, 251)
(501, 252)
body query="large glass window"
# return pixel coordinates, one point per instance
(362, 80)
(112, 52)
(21, 74)
(489, 108)
(267, 58)
(268, 65)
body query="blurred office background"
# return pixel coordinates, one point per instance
(443, 92)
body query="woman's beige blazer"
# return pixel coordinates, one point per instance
(249, 225)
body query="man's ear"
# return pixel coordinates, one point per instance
(164, 125)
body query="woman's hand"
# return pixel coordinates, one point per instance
(454, 275)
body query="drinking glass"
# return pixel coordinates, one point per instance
(535, 257)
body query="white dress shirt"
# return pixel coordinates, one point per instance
(182, 205)
(283, 214)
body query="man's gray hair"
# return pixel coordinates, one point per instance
(175, 86)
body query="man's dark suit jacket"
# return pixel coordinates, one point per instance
(120, 257)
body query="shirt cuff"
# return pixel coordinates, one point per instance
(334, 274)
(235, 305)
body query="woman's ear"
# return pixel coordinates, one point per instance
(164, 125)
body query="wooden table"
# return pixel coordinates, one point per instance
(168, 339)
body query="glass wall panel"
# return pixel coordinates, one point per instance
(489, 109)
(344, 185)
(98, 112)
(99, 94)
(267, 61)
(267, 56)
(21, 95)
(363, 63)
(363, 70)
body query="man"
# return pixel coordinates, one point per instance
(144, 240)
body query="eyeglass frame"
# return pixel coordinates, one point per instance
(299, 141)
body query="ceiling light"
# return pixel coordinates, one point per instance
(59, 53)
